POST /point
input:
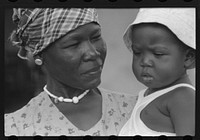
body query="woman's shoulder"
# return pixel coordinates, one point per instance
(119, 96)
(30, 105)
(124, 101)
(16, 120)
(118, 107)
(117, 93)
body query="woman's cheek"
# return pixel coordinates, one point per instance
(102, 49)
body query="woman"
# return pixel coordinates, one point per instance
(67, 44)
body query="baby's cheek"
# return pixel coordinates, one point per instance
(164, 76)
(136, 70)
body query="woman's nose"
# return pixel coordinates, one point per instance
(90, 51)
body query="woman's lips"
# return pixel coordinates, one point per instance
(94, 70)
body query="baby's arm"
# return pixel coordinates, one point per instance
(182, 111)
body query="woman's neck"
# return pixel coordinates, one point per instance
(60, 89)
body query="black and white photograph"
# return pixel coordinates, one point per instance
(100, 71)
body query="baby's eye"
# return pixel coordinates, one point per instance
(136, 52)
(159, 54)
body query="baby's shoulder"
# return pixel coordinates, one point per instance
(180, 96)
(181, 93)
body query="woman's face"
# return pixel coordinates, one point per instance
(77, 59)
(158, 59)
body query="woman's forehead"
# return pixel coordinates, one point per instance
(82, 31)
(42, 30)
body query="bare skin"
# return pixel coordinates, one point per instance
(73, 64)
(159, 61)
(86, 113)
(172, 112)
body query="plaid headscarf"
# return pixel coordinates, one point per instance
(39, 27)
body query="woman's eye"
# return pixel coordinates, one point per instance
(97, 37)
(72, 45)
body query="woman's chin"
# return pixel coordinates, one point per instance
(92, 84)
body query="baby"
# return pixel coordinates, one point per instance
(163, 44)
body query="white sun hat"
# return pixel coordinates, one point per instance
(181, 21)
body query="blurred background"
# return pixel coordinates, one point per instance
(24, 80)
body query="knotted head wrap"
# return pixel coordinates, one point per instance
(39, 27)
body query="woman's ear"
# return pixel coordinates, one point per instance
(190, 59)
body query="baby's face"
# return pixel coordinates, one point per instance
(158, 60)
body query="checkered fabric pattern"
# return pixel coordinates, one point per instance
(39, 27)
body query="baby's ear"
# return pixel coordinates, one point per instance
(190, 59)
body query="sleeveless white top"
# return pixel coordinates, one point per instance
(135, 126)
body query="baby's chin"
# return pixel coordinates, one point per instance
(152, 84)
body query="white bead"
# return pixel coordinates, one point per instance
(67, 100)
(75, 99)
(60, 99)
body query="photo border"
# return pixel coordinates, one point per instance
(100, 4)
